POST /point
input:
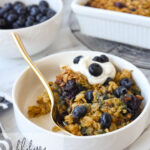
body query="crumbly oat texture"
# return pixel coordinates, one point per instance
(83, 114)
(138, 7)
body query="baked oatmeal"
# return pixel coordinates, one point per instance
(86, 107)
(138, 7)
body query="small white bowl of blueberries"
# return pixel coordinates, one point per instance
(37, 23)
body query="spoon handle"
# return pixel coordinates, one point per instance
(32, 65)
(39, 75)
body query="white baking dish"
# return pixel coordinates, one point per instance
(112, 25)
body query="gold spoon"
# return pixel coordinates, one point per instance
(41, 78)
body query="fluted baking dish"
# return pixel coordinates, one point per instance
(113, 25)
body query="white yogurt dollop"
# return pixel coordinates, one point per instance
(82, 67)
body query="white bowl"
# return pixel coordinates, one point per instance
(112, 25)
(28, 87)
(35, 38)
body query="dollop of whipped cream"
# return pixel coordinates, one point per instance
(83, 65)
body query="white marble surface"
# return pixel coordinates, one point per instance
(11, 68)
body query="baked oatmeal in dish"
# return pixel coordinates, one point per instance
(92, 97)
(138, 7)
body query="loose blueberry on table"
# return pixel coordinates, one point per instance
(18, 15)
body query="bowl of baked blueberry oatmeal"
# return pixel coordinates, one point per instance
(36, 21)
(99, 98)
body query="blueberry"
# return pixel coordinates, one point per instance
(97, 58)
(105, 120)
(21, 21)
(29, 7)
(12, 18)
(101, 59)
(132, 9)
(8, 6)
(2, 11)
(22, 17)
(18, 5)
(104, 58)
(70, 90)
(2, 23)
(34, 11)
(12, 11)
(38, 17)
(95, 69)
(15, 25)
(79, 111)
(119, 5)
(107, 81)
(133, 106)
(29, 21)
(5, 15)
(89, 96)
(30, 18)
(126, 82)
(44, 18)
(21, 10)
(50, 13)
(70, 85)
(77, 59)
(2, 99)
(43, 3)
(8, 12)
(43, 10)
(120, 91)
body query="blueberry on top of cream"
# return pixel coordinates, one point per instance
(107, 81)
(101, 59)
(96, 69)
